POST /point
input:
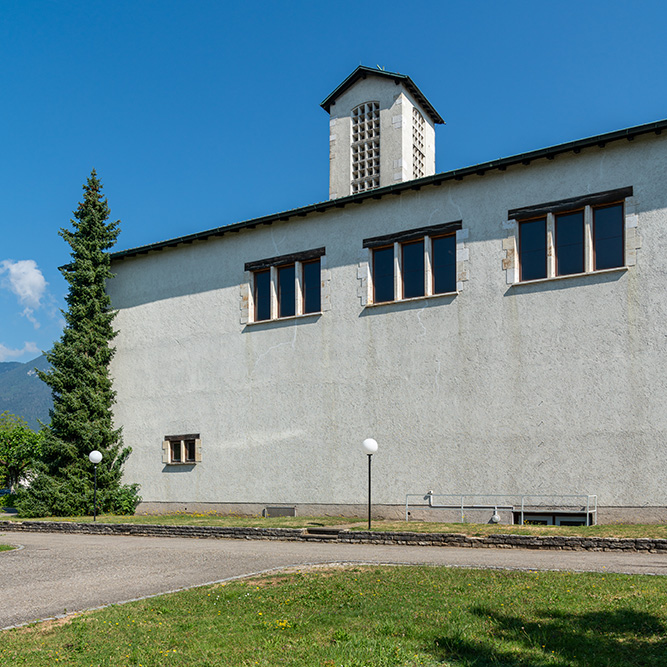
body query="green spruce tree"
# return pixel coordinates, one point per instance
(81, 418)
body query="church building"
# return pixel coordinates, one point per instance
(500, 330)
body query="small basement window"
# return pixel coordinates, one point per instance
(181, 449)
(554, 518)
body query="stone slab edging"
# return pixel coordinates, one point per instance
(498, 541)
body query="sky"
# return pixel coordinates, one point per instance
(201, 114)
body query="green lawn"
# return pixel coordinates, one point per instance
(213, 519)
(208, 519)
(6, 547)
(370, 616)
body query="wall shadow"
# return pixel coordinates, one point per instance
(614, 638)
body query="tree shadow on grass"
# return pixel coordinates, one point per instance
(615, 638)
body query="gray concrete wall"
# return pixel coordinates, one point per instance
(555, 387)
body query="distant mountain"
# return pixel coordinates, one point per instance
(22, 393)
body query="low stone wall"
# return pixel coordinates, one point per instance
(498, 541)
(557, 542)
(149, 530)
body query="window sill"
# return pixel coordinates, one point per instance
(616, 269)
(285, 319)
(182, 463)
(411, 300)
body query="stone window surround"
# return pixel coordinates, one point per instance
(364, 270)
(510, 244)
(168, 442)
(272, 264)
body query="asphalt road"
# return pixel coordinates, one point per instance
(54, 574)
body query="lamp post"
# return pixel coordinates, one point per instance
(370, 447)
(95, 457)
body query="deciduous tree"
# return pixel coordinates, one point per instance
(20, 449)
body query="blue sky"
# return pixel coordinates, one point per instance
(200, 114)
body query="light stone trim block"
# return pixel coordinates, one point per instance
(246, 298)
(325, 284)
(364, 279)
(511, 252)
(633, 240)
(462, 258)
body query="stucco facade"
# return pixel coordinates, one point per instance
(553, 386)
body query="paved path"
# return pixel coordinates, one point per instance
(54, 573)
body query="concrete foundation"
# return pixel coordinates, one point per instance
(606, 515)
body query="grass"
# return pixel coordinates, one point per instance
(370, 616)
(6, 547)
(208, 519)
(214, 519)
(480, 529)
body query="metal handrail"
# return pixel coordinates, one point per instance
(520, 500)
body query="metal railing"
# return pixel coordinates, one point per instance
(523, 503)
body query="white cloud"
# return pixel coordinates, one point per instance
(24, 279)
(9, 353)
(28, 314)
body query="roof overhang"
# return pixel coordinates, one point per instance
(598, 141)
(364, 72)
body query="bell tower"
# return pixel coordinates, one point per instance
(382, 131)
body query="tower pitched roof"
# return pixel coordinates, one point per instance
(363, 72)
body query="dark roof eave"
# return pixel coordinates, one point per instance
(599, 140)
(362, 72)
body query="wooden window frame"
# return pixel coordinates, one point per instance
(424, 242)
(256, 318)
(589, 204)
(273, 265)
(393, 278)
(302, 295)
(546, 246)
(557, 259)
(408, 238)
(171, 442)
(430, 255)
(279, 291)
(598, 208)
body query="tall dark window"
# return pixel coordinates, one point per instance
(311, 287)
(413, 269)
(588, 235)
(608, 236)
(570, 243)
(286, 291)
(383, 274)
(533, 249)
(443, 264)
(276, 283)
(262, 295)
